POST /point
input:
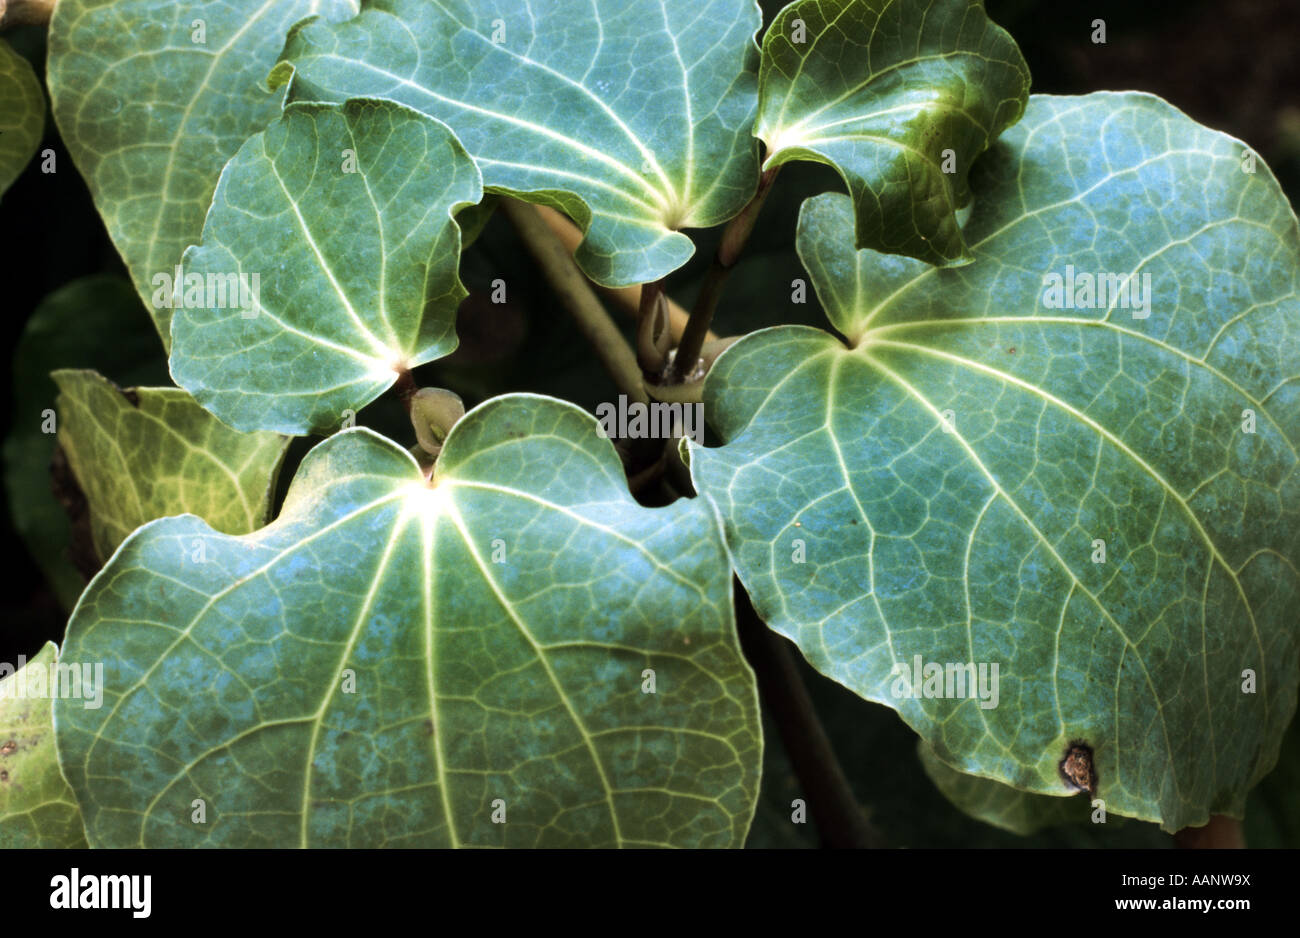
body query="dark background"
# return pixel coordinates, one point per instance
(1231, 66)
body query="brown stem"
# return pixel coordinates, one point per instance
(25, 12)
(733, 241)
(575, 291)
(836, 811)
(405, 388)
(1222, 832)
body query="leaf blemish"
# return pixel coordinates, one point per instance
(8, 748)
(1077, 769)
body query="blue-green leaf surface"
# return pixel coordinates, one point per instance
(898, 97)
(391, 663)
(338, 222)
(633, 116)
(949, 475)
(152, 97)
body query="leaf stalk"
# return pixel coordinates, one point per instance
(575, 291)
(734, 238)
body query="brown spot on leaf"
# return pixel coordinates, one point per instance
(428, 727)
(1078, 770)
(4, 776)
(8, 748)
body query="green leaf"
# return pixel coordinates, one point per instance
(22, 114)
(95, 322)
(152, 452)
(946, 475)
(344, 215)
(36, 805)
(150, 113)
(899, 98)
(632, 116)
(497, 626)
(1001, 805)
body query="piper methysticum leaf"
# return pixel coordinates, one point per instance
(156, 453)
(36, 805)
(22, 114)
(152, 97)
(899, 98)
(1103, 500)
(633, 116)
(390, 663)
(344, 214)
(1012, 809)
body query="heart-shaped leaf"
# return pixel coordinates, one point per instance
(518, 655)
(633, 116)
(152, 452)
(36, 805)
(22, 114)
(1014, 465)
(899, 98)
(336, 228)
(152, 97)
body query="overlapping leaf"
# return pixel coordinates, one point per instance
(633, 116)
(335, 226)
(36, 805)
(95, 322)
(899, 98)
(22, 114)
(942, 487)
(1011, 809)
(390, 663)
(152, 97)
(153, 452)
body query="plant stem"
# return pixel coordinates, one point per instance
(25, 12)
(628, 298)
(574, 290)
(733, 241)
(405, 388)
(1221, 832)
(836, 811)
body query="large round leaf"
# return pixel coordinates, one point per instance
(336, 228)
(152, 97)
(1103, 501)
(633, 116)
(394, 663)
